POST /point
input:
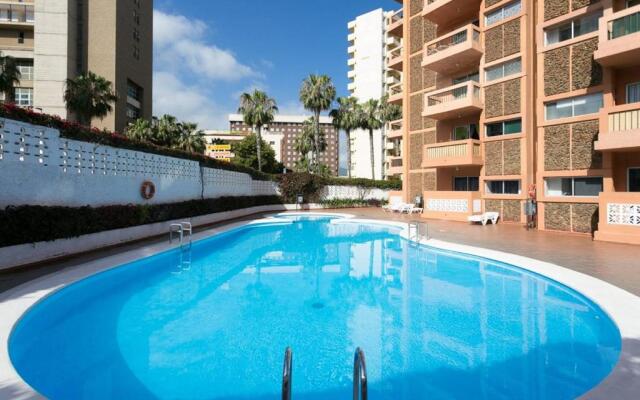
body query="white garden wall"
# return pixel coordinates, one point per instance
(38, 167)
(354, 193)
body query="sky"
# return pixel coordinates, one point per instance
(208, 52)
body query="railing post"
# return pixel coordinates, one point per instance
(359, 376)
(286, 374)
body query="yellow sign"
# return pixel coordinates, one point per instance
(219, 147)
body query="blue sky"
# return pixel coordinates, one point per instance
(207, 52)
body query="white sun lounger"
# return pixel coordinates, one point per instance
(410, 209)
(484, 218)
(393, 207)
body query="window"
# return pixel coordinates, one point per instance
(581, 105)
(504, 128)
(505, 69)
(577, 27)
(573, 186)
(503, 13)
(633, 92)
(625, 26)
(503, 187)
(465, 132)
(24, 97)
(26, 69)
(133, 112)
(474, 76)
(466, 183)
(134, 91)
(633, 179)
(20, 37)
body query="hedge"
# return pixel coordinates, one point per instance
(365, 183)
(30, 224)
(75, 131)
(310, 186)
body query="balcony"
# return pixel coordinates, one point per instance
(453, 206)
(452, 154)
(394, 130)
(396, 23)
(351, 86)
(454, 101)
(395, 166)
(394, 59)
(395, 94)
(619, 217)
(619, 128)
(443, 12)
(455, 51)
(619, 39)
(16, 15)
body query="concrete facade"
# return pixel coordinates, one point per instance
(282, 133)
(55, 40)
(509, 96)
(369, 78)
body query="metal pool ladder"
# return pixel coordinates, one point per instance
(359, 376)
(413, 230)
(180, 229)
(286, 374)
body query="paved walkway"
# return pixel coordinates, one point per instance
(616, 263)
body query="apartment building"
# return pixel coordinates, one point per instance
(506, 99)
(54, 40)
(282, 133)
(369, 78)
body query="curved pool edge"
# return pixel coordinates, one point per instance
(622, 307)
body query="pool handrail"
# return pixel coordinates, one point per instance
(286, 374)
(359, 376)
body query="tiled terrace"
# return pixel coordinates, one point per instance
(615, 263)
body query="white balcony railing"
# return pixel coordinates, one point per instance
(459, 36)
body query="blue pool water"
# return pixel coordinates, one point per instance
(213, 323)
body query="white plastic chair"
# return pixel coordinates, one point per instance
(485, 218)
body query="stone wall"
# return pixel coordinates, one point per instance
(503, 99)
(415, 112)
(571, 68)
(415, 151)
(503, 157)
(502, 41)
(571, 146)
(555, 8)
(510, 210)
(571, 217)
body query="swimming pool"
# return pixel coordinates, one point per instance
(213, 323)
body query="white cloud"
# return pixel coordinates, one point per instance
(187, 103)
(292, 108)
(179, 42)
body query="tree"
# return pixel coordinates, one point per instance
(317, 94)
(89, 96)
(372, 120)
(347, 117)
(191, 138)
(246, 153)
(166, 131)
(9, 77)
(257, 109)
(305, 144)
(388, 112)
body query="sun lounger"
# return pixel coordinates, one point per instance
(393, 207)
(484, 218)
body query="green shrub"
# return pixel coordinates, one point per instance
(308, 185)
(30, 224)
(365, 183)
(74, 131)
(352, 203)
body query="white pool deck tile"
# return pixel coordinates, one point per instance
(623, 307)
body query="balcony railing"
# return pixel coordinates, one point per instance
(455, 206)
(395, 94)
(618, 44)
(469, 32)
(456, 100)
(19, 13)
(624, 26)
(456, 153)
(442, 12)
(619, 128)
(396, 23)
(619, 217)
(396, 162)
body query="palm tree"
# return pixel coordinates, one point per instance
(89, 96)
(347, 117)
(316, 94)
(140, 130)
(388, 112)
(257, 109)
(191, 138)
(372, 120)
(9, 77)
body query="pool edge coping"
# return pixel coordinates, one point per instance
(622, 307)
